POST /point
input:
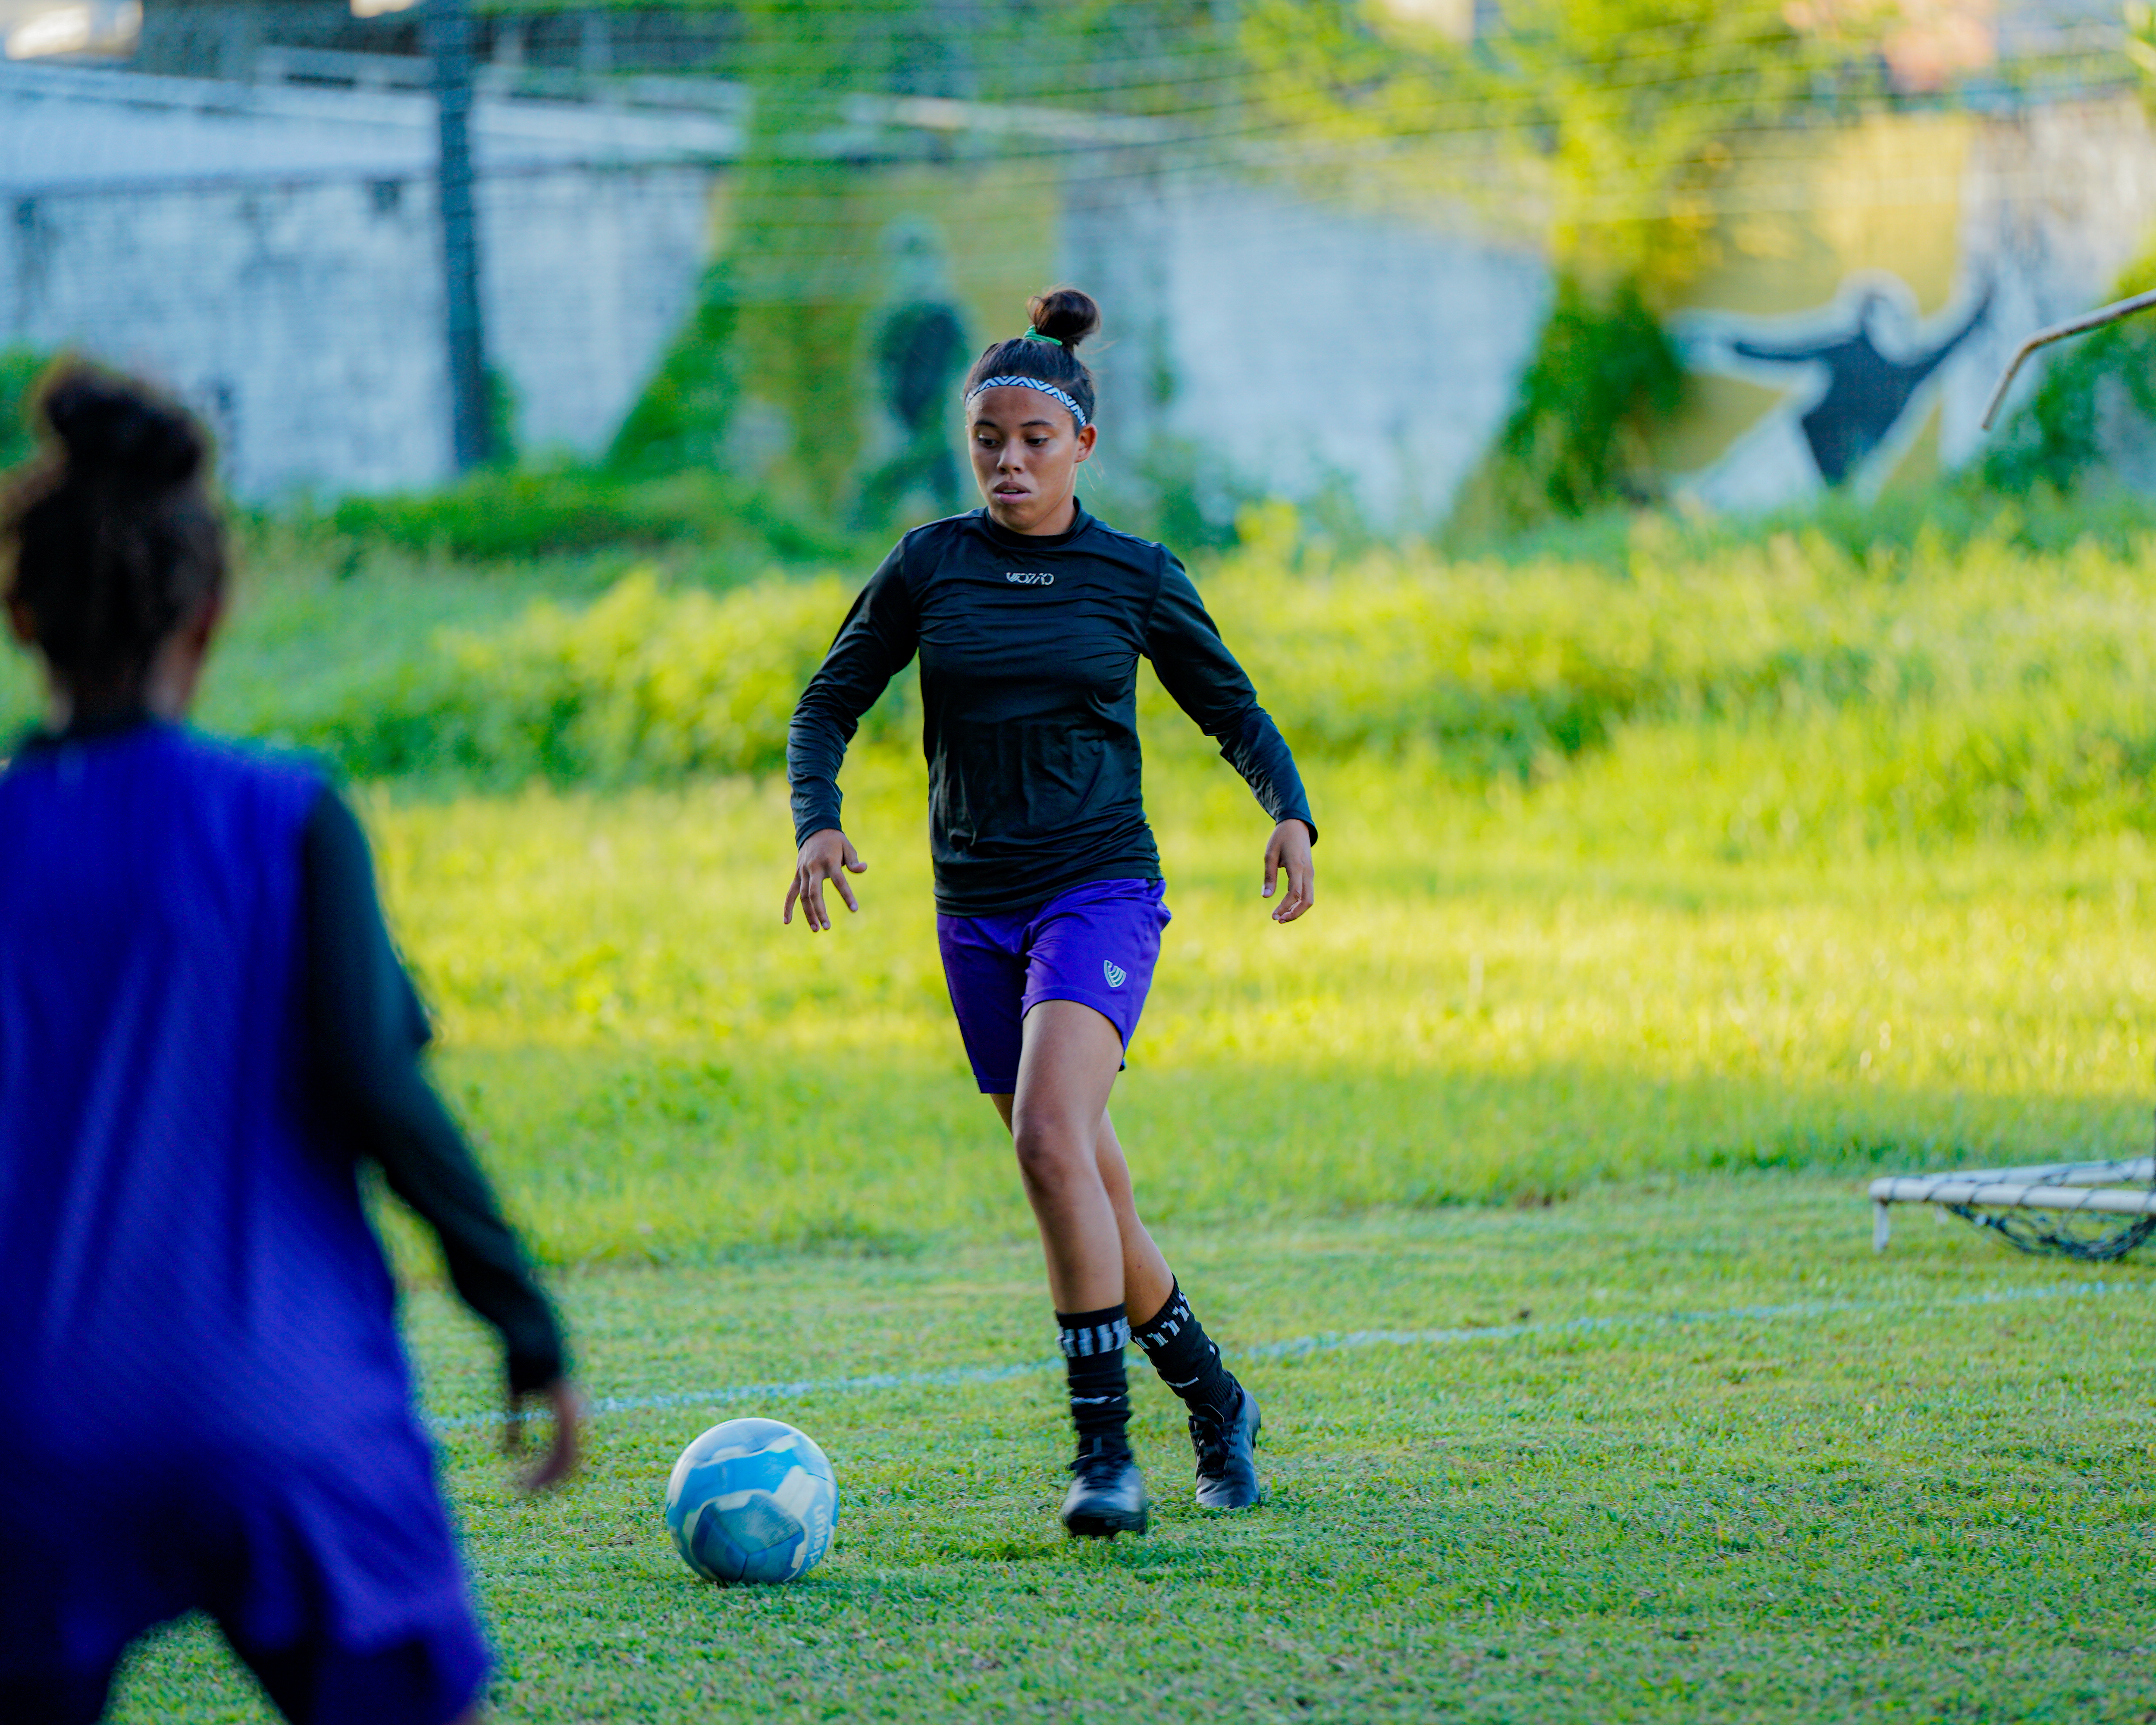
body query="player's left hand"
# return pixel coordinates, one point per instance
(1289, 850)
(560, 1461)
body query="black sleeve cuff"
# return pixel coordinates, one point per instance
(535, 1367)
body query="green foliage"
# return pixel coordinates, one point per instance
(20, 368)
(681, 419)
(501, 514)
(1604, 372)
(1947, 517)
(1806, 697)
(1813, 690)
(2098, 393)
(643, 684)
(1610, 119)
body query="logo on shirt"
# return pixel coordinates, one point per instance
(1114, 972)
(1039, 578)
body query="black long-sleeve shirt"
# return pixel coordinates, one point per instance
(365, 1032)
(1028, 650)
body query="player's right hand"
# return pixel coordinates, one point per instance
(560, 1459)
(828, 855)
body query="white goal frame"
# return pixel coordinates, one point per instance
(2092, 1186)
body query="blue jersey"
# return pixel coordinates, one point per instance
(199, 1354)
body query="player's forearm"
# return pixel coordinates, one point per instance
(1256, 749)
(824, 723)
(365, 1030)
(430, 1167)
(814, 756)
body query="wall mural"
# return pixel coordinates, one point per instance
(921, 353)
(1856, 376)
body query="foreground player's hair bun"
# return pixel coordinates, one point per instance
(1068, 314)
(111, 427)
(113, 540)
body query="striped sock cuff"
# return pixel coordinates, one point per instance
(1171, 1320)
(1084, 1334)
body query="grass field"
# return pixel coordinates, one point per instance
(665, 1073)
(1713, 1461)
(1659, 906)
(1679, 1452)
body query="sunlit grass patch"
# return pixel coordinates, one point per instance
(659, 1070)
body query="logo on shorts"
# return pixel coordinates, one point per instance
(1038, 579)
(1114, 972)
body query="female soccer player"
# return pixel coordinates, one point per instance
(1030, 616)
(203, 1031)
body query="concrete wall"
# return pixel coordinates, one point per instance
(1297, 347)
(274, 256)
(273, 253)
(302, 321)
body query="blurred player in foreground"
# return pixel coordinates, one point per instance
(1030, 616)
(203, 1032)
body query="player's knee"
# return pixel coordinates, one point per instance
(1051, 1154)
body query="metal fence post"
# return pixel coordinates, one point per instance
(450, 44)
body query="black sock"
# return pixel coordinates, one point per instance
(1093, 1344)
(1187, 1360)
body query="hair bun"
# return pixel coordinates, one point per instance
(117, 427)
(1066, 313)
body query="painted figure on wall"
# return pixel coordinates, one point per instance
(1858, 375)
(920, 347)
(1867, 390)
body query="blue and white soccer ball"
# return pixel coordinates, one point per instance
(752, 1500)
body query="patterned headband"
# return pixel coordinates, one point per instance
(1068, 400)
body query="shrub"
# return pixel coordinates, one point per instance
(2096, 395)
(1603, 373)
(1787, 693)
(643, 684)
(20, 368)
(499, 514)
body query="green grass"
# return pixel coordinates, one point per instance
(1923, 1493)
(1785, 695)
(1470, 1016)
(1663, 895)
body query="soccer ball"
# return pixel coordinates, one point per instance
(752, 1500)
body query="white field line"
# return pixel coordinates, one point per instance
(1330, 1342)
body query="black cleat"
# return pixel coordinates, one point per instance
(1108, 1497)
(1227, 1471)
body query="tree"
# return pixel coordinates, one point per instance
(1608, 123)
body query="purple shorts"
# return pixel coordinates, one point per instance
(1095, 944)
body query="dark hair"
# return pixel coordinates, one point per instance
(115, 542)
(1067, 315)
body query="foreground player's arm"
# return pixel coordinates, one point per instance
(1196, 667)
(874, 643)
(365, 1031)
